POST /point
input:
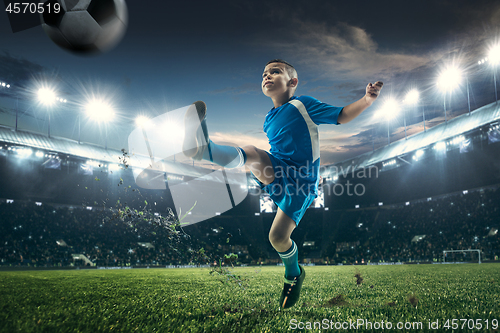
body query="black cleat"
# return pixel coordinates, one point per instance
(291, 290)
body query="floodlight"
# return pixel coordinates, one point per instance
(113, 167)
(449, 78)
(99, 110)
(46, 96)
(143, 121)
(25, 152)
(440, 145)
(412, 96)
(390, 109)
(3, 84)
(93, 163)
(494, 55)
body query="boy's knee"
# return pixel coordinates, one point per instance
(250, 151)
(259, 163)
(278, 239)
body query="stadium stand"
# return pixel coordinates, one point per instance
(32, 235)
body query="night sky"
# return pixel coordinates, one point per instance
(178, 52)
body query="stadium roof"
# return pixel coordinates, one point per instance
(63, 146)
(456, 126)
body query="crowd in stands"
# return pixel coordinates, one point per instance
(48, 236)
(422, 231)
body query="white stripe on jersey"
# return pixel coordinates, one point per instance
(313, 128)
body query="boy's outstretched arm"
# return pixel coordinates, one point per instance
(353, 110)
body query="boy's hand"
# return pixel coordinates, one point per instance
(372, 91)
(351, 111)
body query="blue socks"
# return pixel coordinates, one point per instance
(225, 156)
(291, 261)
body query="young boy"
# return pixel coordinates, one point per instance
(289, 172)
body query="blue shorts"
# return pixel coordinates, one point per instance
(291, 193)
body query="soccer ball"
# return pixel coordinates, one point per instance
(85, 26)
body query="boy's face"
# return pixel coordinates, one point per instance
(276, 81)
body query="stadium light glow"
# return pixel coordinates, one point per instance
(113, 167)
(412, 97)
(449, 78)
(391, 162)
(46, 96)
(390, 109)
(99, 110)
(93, 163)
(418, 154)
(25, 152)
(440, 145)
(494, 55)
(143, 121)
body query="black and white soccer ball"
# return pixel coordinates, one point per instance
(85, 26)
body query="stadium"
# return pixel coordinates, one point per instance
(106, 225)
(392, 200)
(70, 205)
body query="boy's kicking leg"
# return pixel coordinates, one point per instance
(259, 163)
(197, 145)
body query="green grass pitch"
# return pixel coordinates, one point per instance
(193, 300)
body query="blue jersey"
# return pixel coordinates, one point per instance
(292, 130)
